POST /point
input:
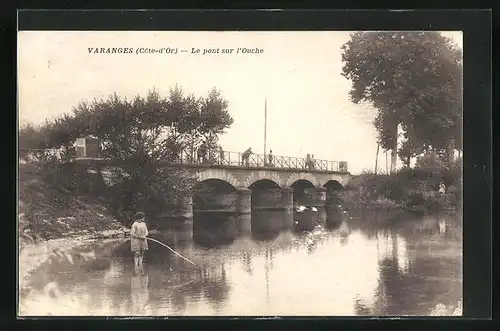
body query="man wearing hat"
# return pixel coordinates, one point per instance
(138, 242)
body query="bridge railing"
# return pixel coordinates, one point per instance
(236, 159)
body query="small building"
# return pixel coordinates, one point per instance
(88, 147)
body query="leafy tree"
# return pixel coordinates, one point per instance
(413, 79)
(143, 133)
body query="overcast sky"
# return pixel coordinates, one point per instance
(299, 73)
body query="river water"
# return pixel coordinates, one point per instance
(340, 270)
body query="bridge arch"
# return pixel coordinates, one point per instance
(303, 183)
(220, 174)
(215, 185)
(299, 189)
(333, 185)
(295, 177)
(212, 193)
(256, 176)
(264, 183)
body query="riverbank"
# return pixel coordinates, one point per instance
(53, 221)
(33, 254)
(408, 193)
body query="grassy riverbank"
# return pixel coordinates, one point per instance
(49, 211)
(407, 192)
(55, 221)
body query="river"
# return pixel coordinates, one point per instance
(347, 269)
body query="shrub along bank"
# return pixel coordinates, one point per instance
(414, 191)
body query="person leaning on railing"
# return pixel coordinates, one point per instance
(245, 156)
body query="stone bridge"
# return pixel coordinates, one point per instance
(240, 188)
(245, 177)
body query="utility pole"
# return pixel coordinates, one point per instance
(376, 158)
(265, 128)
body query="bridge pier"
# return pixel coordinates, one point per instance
(286, 201)
(245, 225)
(287, 223)
(244, 201)
(185, 206)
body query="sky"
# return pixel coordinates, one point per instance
(298, 73)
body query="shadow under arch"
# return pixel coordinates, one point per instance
(213, 223)
(299, 187)
(266, 193)
(333, 193)
(203, 190)
(334, 203)
(214, 185)
(264, 184)
(333, 185)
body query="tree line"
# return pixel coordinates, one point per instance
(143, 133)
(414, 80)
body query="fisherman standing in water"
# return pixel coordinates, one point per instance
(138, 241)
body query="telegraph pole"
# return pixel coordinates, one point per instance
(265, 127)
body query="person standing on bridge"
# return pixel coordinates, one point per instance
(202, 152)
(245, 156)
(221, 155)
(138, 241)
(308, 161)
(270, 158)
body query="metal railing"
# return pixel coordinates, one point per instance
(236, 159)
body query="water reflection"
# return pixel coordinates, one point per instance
(270, 223)
(139, 292)
(215, 229)
(346, 269)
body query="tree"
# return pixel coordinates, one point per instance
(144, 134)
(413, 79)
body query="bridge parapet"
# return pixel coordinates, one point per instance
(236, 159)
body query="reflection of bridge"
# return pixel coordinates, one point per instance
(229, 183)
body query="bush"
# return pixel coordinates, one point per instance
(414, 189)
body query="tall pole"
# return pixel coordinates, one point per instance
(376, 158)
(265, 127)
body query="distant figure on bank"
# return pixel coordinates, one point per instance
(245, 156)
(442, 188)
(202, 153)
(442, 226)
(270, 157)
(138, 241)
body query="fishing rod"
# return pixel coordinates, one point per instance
(168, 247)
